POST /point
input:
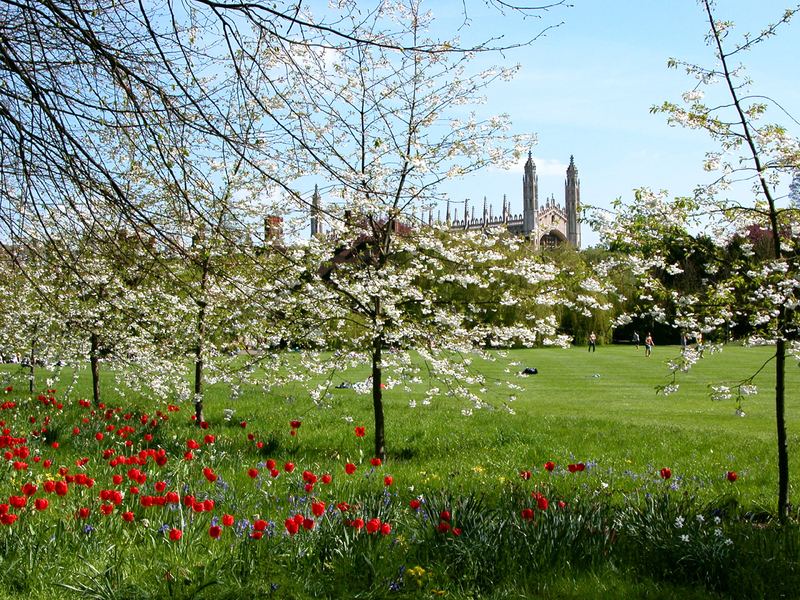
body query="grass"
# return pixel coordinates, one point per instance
(617, 535)
(597, 408)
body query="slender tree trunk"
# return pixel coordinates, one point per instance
(780, 418)
(94, 361)
(377, 396)
(32, 376)
(199, 357)
(198, 365)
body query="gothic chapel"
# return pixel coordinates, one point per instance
(547, 225)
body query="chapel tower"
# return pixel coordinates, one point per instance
(530, 199)
(315, 205)
(572, 203)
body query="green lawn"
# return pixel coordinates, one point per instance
(596, 408)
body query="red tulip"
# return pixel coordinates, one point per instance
(549, 466)
(375, 462)
(527, 514)
(361, 431)
(253, 473)
(349, 468)
(373, 525)
(227, 520)
(175, 534)
(665, 473)
(731, 476)
(214, 531)
(415, 504)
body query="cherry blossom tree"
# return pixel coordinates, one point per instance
(382, 281)
(737, 283)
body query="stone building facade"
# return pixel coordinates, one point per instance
(549, 224)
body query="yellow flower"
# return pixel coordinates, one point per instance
(416, 572)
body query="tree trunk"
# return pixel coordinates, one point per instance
(780, 418)
(32, 376)
(377, 399)
(198, 366)
(199, 358)
(94, 361)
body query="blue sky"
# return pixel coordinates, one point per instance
(587, 86)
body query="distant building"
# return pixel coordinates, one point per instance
(548, 225)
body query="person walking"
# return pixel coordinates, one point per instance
(635, 339)
(648, 344)
(592, 342)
